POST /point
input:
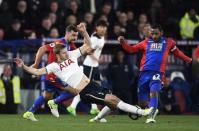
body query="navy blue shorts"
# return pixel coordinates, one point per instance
(94, 93)
(149, 81)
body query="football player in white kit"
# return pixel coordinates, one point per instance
(91, 64)
(67, 69)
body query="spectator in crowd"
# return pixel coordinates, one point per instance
(2, 34)
(9, 91)
(115, 32)
(126, 27)
(74, 10)
(92, 6)
(15, 31)
(88, 19)
(23, 15)
(107, 11)
(121, 86)
(188, 23)
(71, 20)
(131, 18)
(139, 33)
(143, 18)
(54, 33)
(155, 11)
(5, 15)
(53, 19)
(30, 34)
(56, 10)
(45, 28)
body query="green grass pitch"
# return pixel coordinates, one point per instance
(115, 123)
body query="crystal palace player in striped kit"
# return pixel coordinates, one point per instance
(153, 64)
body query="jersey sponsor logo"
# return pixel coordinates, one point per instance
(156, 46)
(65, 64)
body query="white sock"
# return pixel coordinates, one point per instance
(94, 106)
(75, 101)
(129, 108)
(104, 112)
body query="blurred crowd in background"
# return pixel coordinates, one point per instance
(49, 18)
(32, 19)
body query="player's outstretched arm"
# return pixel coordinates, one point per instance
(41, 51)
(31, 70)
(128, 48)
(178, 53)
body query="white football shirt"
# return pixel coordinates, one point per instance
(97, 43)
(68, 71)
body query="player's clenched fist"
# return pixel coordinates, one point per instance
(121, 39)
(81, 27)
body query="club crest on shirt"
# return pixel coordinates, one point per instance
(156, 46)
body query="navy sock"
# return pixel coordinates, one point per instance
(38, 102)
(62, 97)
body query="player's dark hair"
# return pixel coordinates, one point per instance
(156, 26)
(58, 47)
(71, 28)
(102, 23)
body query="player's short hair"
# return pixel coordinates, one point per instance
(156, 26)
(71, 28)
(101, 23)
(58, 47)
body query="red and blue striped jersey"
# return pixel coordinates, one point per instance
(155, 54)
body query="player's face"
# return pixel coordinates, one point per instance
(156, 34)
(63, 55)
(71, 36)
(101, 30)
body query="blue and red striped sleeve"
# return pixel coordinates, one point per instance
(178, 53)
(133, 48)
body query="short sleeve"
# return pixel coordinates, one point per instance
(75, 53)
(94, 42)
(50, 68)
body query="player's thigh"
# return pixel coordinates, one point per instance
(155, 83)
(93, 93)
(48, 89)
(143, 90)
